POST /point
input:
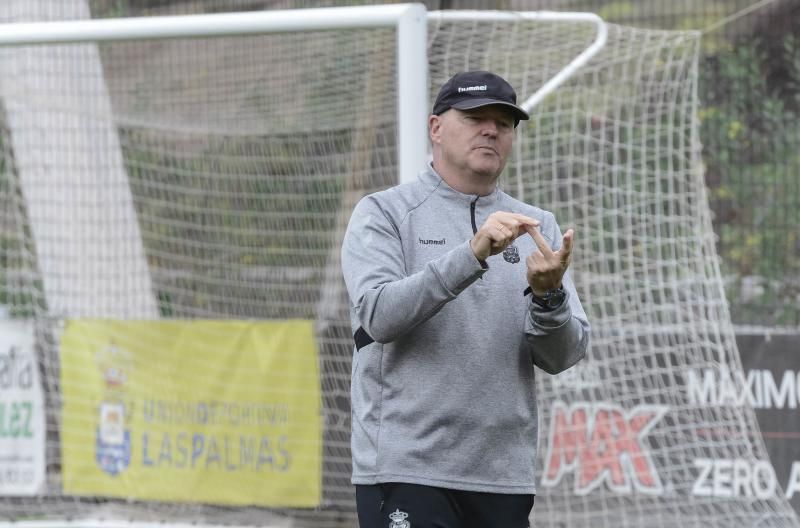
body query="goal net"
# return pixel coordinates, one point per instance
(164, 202)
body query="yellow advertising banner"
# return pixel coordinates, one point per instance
(216, 412)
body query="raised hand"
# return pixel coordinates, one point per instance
(499, 231)
(545, 266)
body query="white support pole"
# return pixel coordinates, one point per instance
(412, 92)
(545, 16)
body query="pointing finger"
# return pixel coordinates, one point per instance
(566, 247)
(541, 243)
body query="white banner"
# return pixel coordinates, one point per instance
(22, 420)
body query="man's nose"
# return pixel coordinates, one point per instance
(490, 129)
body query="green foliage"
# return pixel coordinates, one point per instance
(22, 296)
(109, 8)
(750, 132)
(791, 47)
(617, 10)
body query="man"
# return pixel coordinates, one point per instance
(457, 290)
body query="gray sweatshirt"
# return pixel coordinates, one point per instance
(445, 394)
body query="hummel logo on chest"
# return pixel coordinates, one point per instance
(428, 241)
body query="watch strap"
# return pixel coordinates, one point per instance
(551, 300)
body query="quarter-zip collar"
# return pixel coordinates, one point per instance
(431, 178)
(472, 206)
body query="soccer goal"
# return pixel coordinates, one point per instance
(174, 194)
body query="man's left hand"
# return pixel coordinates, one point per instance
(545, 266)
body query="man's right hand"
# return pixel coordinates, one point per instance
(498, 232)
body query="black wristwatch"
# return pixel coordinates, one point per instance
(551, 300)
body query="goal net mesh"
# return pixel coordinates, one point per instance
(241, 159)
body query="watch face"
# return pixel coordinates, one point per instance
(555, 298)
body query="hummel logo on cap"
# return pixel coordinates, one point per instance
(473, 89)
(482, 88)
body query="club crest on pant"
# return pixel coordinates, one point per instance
(511, 254)
(399, 520)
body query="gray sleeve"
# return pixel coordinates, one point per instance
(387, 301)
(559, 338)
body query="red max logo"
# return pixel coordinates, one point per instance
(602, 443)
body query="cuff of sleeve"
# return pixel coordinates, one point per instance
(459, 268)
(552, 319)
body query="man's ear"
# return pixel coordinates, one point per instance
(435, 128)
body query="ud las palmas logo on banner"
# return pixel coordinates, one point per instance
(113, 442)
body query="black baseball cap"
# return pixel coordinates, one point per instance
(474, 89)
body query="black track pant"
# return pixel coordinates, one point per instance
(393, 505)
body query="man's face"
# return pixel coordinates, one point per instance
(475, 142)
